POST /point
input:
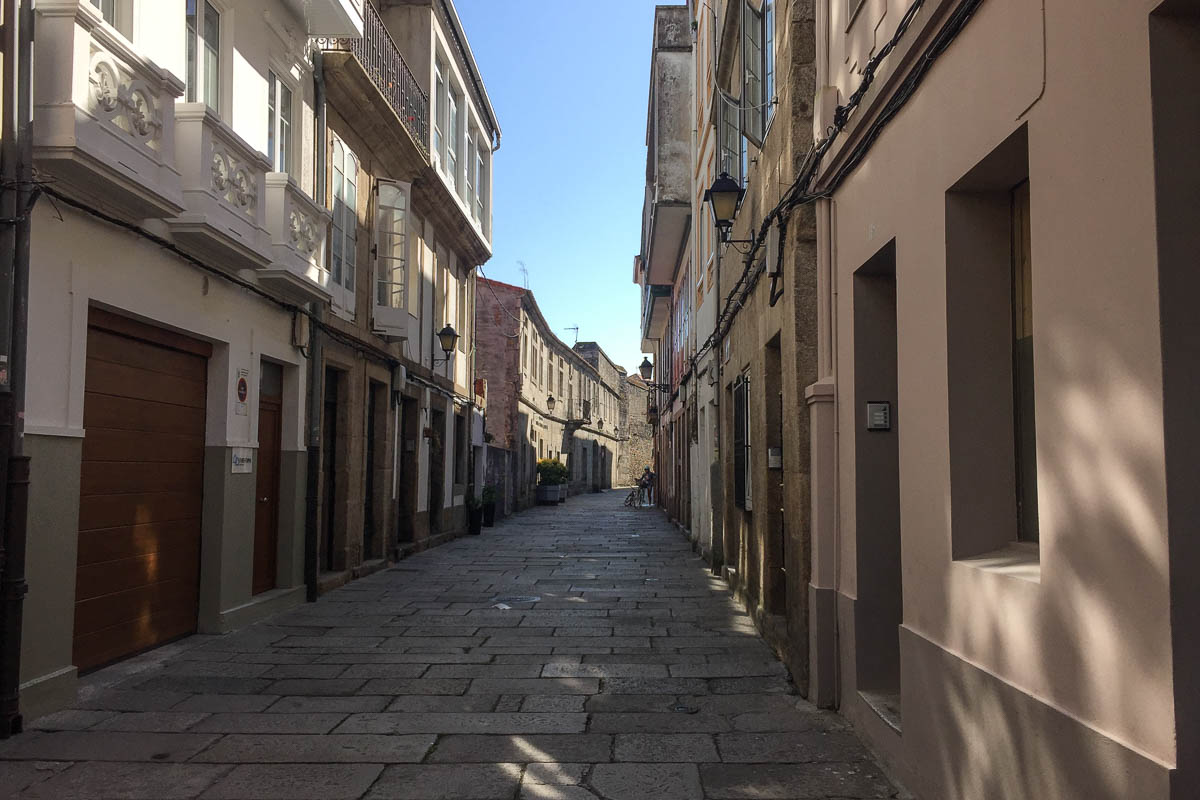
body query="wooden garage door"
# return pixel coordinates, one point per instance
(137, 583)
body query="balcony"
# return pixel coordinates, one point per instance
(224, 192)
(105, 115)
(656, 313)
(668, 206)
(299, 229)
(330, 17)
(369, 73)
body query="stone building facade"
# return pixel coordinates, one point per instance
(953, 451)
(545, 400)
(235, 401)
(638, 450)
(401, 430)
(734, 339)
(1005, 548)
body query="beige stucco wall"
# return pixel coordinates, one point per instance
(1086, 632)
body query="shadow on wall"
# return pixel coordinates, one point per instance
(1094, 501)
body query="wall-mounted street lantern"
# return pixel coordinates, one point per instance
(448, 338)
(550, 402)
(646, 370)
(724, 198)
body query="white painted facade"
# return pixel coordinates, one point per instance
(178, 141)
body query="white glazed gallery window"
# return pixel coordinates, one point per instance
(391, 257)
(463, 327)
(472, 172)
(279, 123)
(108, 10)
(439, 112)
(481, 176)
(203, 53)
(452, 141)
(344, 239)
(731, 143)
(758, 70)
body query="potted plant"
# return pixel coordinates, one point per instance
(552, 474)
(474, 515)
(489, 506)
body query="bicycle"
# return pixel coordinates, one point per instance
(631, 501)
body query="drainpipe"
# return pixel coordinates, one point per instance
(18, 25)
(316, 374)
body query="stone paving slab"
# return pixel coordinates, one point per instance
(100, 781)
(620, 670)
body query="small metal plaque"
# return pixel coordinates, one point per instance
(879, 416)
(774, 458)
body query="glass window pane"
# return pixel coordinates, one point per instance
(351, 221)
(284, 164)
(272, 110)
(212, 56)
(192, 34)
(108, 10)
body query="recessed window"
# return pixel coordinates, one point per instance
(1025, 428)
(279, 123)
(990, 353)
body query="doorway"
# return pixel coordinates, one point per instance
(330, 464)
(879, 608)
(266, 507)
(437, 470)
(372, 492)
(405, 528)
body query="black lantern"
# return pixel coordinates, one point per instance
(448, 338)
(724, 199)
(550, 401)
(646, 370)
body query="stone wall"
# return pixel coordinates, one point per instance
(637, 451)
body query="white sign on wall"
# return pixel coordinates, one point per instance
(243, 461)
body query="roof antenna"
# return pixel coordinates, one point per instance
(524, 271)
(576, 329)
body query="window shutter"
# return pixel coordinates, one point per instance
(739, 443)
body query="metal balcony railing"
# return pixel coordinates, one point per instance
(376, 51)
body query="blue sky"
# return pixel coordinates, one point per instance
(569, 81)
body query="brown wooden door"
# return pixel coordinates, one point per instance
(141, 489)
(266, 506)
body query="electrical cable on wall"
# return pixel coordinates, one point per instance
(333, 333)
(801, 191)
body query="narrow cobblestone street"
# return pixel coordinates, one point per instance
(572, 652)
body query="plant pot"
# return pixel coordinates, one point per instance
(489, 514)
(548, 494)
(474, 521)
